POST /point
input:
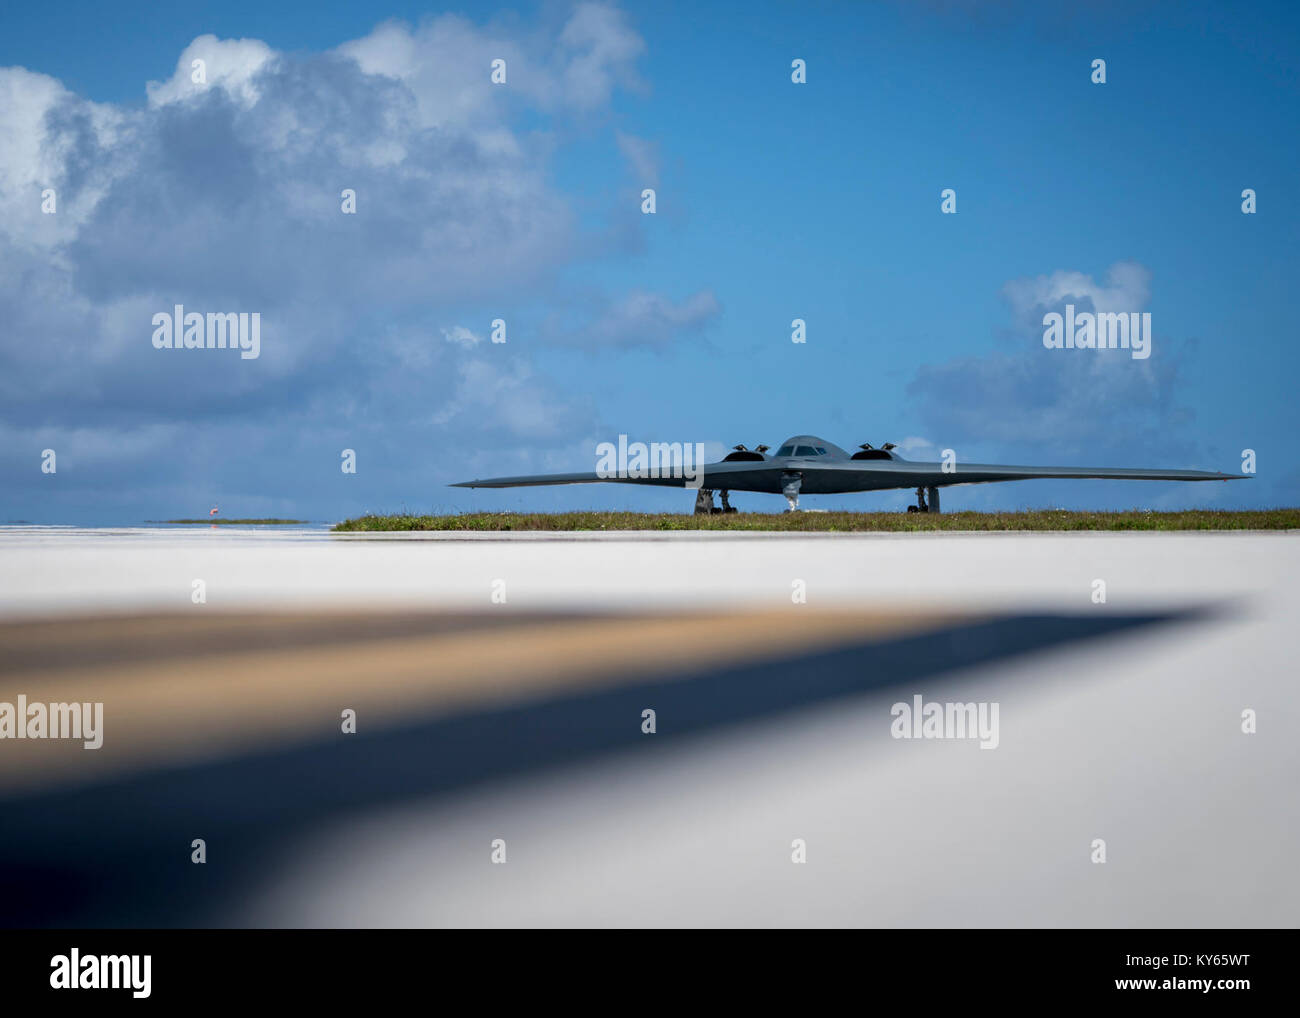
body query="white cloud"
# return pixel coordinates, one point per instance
(446, 63)
(1127, 288)
(228, 64)
(1076, 402)
(600, 50)
(42, 125)
(461, 336)
(227, 197)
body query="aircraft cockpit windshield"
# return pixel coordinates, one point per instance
(801, 450)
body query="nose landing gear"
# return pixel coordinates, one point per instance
(790, 484)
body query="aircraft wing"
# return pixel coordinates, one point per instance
(824, 476)
(881, 474)
(738, 473)
(977, 472)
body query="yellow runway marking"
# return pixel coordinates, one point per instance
(177, 689)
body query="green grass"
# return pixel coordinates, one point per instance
(891, 522)
(223, 522)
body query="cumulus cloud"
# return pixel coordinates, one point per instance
(1037, 401)
(1127, 288)
(47, 139)
(596, 50)
(599, 50)
(231, 65)
(227, 194)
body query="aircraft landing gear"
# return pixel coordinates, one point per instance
(790, 484)
(727, 507)
(704, 502)
(921, 506)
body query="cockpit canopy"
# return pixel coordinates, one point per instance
(809, 446)
(801, 450)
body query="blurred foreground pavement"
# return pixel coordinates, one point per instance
(523, 721)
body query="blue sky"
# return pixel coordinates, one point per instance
(521, 201)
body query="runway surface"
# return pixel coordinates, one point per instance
(500, 684)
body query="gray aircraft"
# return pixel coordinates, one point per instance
(810, 465)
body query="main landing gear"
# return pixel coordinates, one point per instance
(704, 503)
(921, 506)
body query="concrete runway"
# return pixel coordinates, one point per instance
(60, 570)
(521, 721)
